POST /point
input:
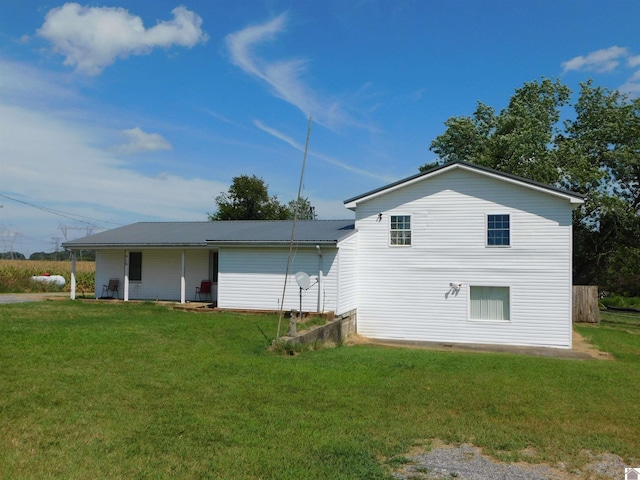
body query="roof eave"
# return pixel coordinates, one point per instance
(272, 243)
(120, 246)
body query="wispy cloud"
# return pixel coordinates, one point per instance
(632, 85)
(283, 77)
(140, 141)
(92, 38)
(604, 60)
(634, 61)
(325, 158)
(607, 60)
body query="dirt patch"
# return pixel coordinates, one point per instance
(581, 345)
(467, 462)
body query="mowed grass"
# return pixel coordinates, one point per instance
(93, 390)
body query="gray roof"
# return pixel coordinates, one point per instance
(193, 234)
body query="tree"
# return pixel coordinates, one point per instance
(597, 153)
(519, 140)
(305, 210)
(248, 199)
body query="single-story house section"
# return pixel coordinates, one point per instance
(245, 261)
(457, 254)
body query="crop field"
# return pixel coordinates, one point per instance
(15, 276)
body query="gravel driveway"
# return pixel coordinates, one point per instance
(28, 297)
(466, 462)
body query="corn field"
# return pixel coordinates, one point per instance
(15, 276)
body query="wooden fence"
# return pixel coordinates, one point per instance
(585, 304)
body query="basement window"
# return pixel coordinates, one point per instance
(489, 303)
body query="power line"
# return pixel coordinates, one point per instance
(71, 216)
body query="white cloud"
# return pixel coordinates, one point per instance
(284, 77)
(50, 156)
(633, 61)
(604, 60)
(140, 141)
(92, 38)
(632, 85)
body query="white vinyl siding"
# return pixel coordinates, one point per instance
(489, 303)
(253, 278)
(347, 291)
(404, 293)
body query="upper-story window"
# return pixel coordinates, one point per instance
(498, 231)
(400, 230)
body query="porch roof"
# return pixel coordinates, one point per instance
(201, 234)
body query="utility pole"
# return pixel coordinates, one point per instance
(87, 229)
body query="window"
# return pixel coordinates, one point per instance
(400, 230)
(489, 303)
(498, 231)
(213, 266)
(135, 266)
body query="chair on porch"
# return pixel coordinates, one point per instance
(108, 291)
(204, 290)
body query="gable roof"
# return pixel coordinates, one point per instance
(200, 234)
(572, 197)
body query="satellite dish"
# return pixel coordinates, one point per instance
(303, 280)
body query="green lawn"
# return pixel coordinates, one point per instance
(94, 390)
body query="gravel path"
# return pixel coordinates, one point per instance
(28, 297)
(466, 462)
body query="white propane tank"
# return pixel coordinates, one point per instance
(53, 279)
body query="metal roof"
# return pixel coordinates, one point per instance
(576, 197)
(193, 234)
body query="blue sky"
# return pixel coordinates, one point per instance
(114, 112)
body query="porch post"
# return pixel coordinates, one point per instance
(320, 291)
(126, 275)
(73, 274)
(182, 278)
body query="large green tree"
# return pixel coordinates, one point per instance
(595, 151)
(248, 199)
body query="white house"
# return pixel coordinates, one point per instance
(245, 260)
(460, 254)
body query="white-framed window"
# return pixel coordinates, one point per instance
(400, 230)
(489, 303)
(498, 230)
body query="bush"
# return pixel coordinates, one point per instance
(621, 302)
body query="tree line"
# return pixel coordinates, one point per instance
(88, 255)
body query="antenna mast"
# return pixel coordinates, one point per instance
(293, 229)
